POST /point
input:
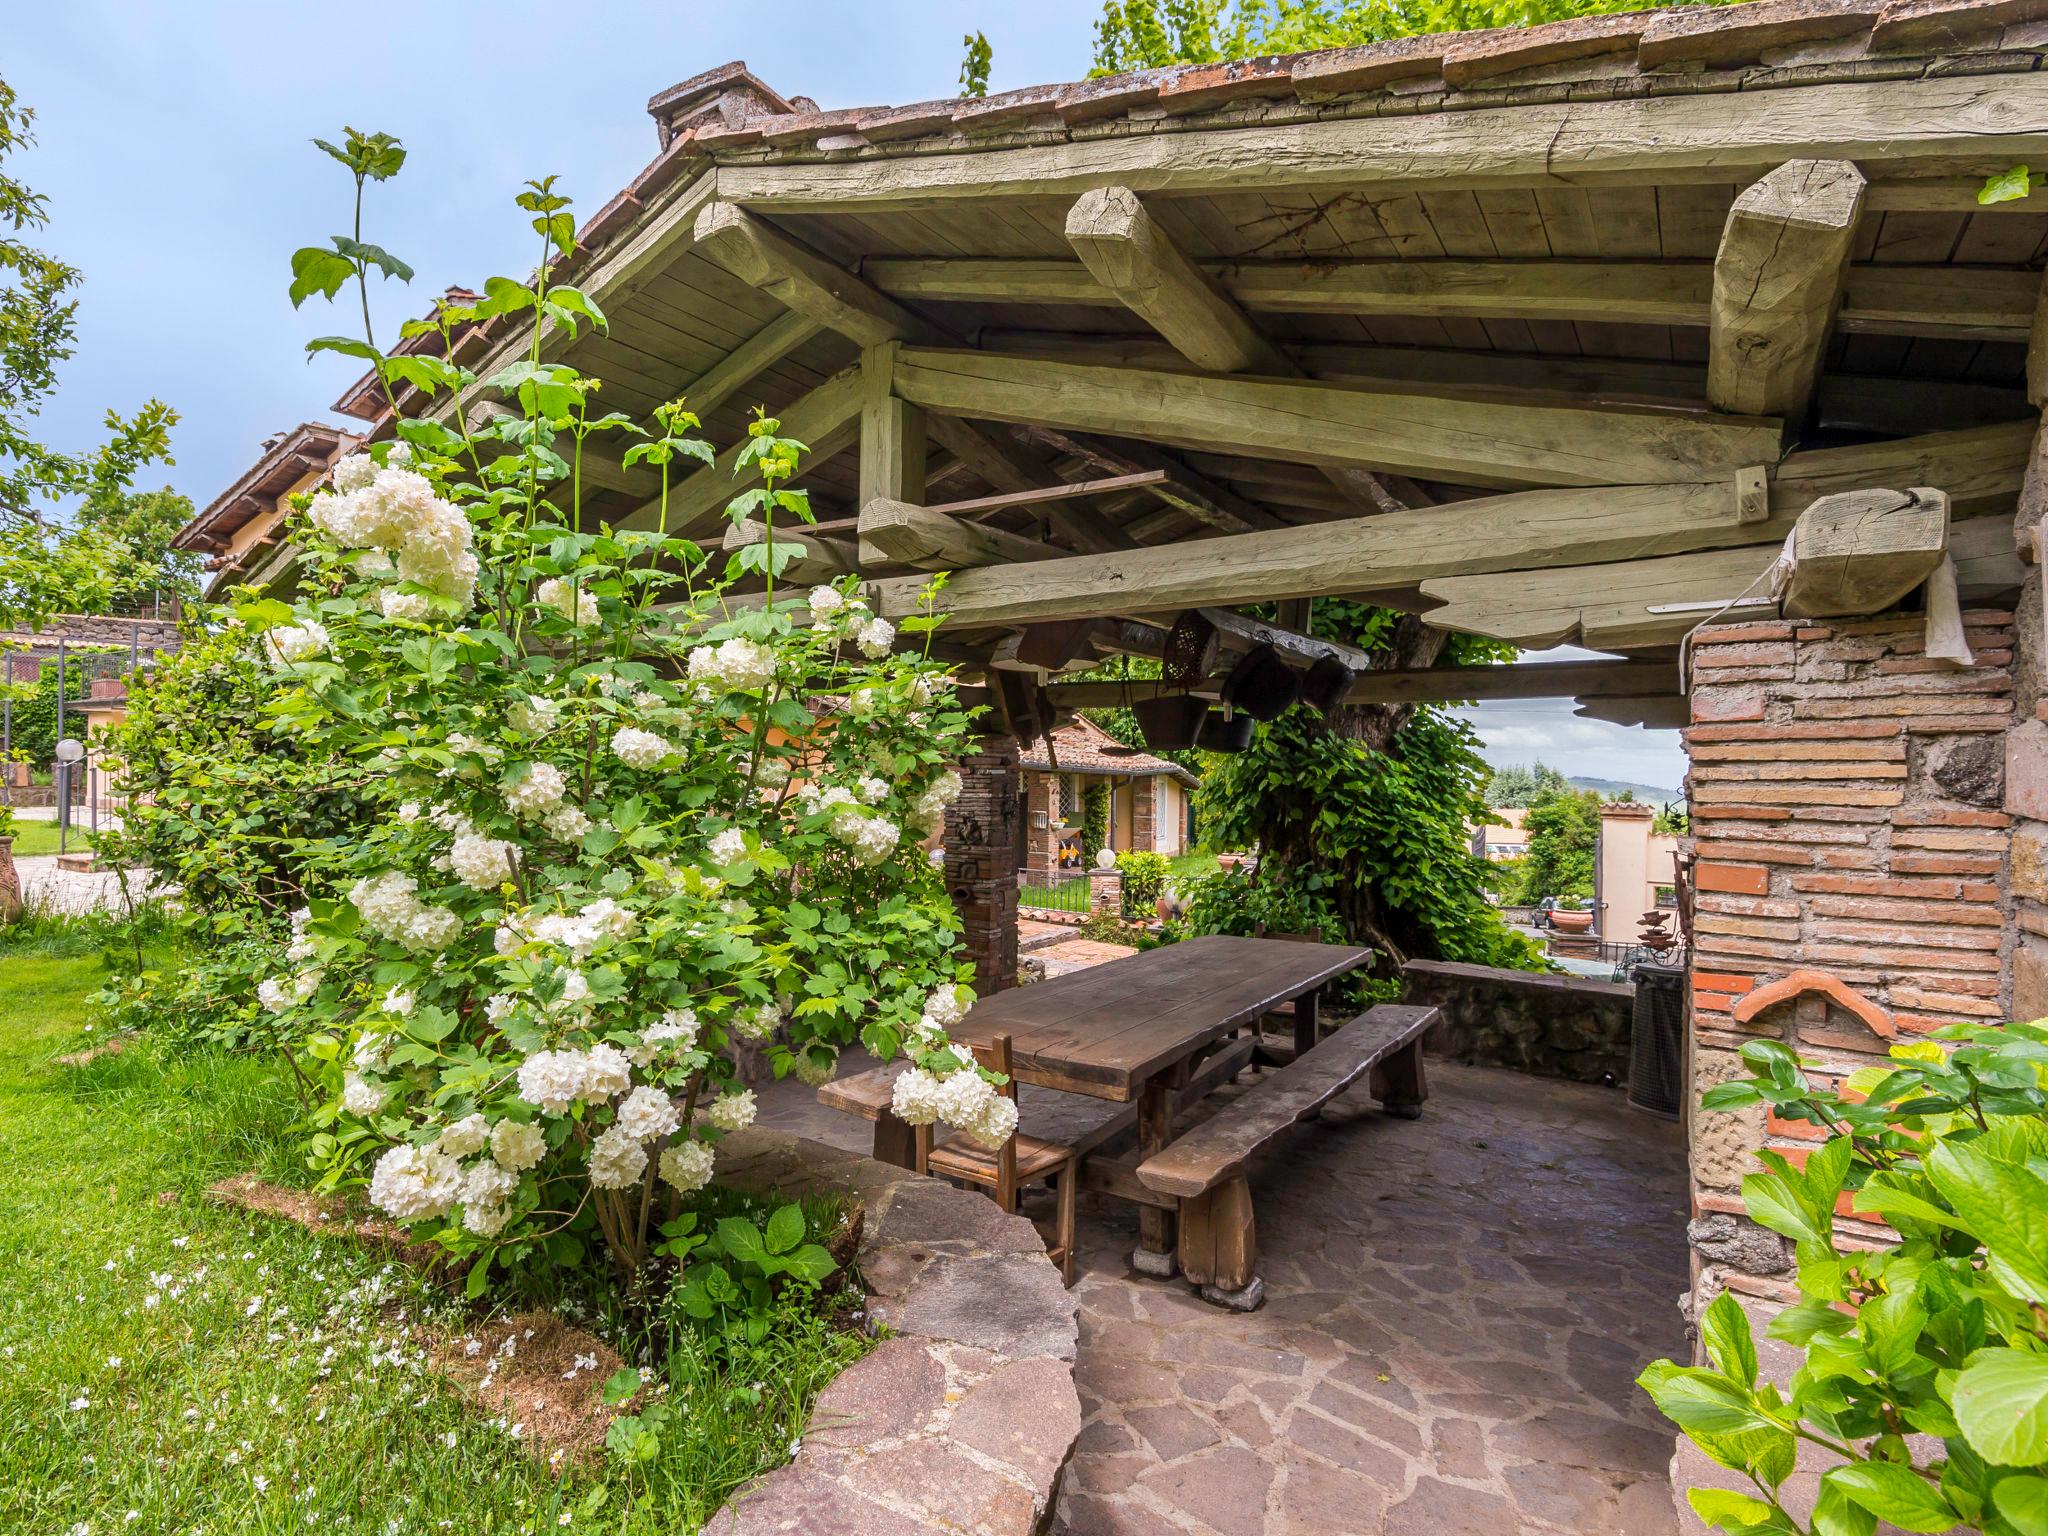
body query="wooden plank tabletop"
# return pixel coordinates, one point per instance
(1104, 1030)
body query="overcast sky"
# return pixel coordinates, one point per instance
(174, 151)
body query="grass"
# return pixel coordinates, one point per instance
(168, 1365)
(38, 837)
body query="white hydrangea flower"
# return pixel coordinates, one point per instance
(571, 602)
(375, 563)
(537, 791)
(738, 665)
(686, 1165)
(567, 822)
(871, 838)
(861, 702)
(288, 644)
(415, 606)
(945, 1006)
(773, 773)
(608, 1072)
(484, 1219)
(826, 601)
(814, 1073)
(355, 472)
(466, 1137)
(534, 715)
(760, 1023)
(931, 804)
(872, 791)
(498, 1007)
(399, 1003)
(995, 1124)
(359, 1096)
(729, 847)
(372, 1050)
(732, 1111)
(391, 910)
(639, 749)
(488, 1183)
(517, 1145)
(647, 1113)
(413, 1183)
(915, 1097)
(875, 637)
(482, 863)
(552, 1080)
(677, 1030)
(279, 993)
(617, 1159)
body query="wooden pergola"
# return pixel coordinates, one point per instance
(1549, 335)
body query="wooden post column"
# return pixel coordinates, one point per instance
(981, 861)
(892, 433)
(2026, 743)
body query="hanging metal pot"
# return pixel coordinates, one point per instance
(1225, 731)
(1190, 650)
(1261, 684)
(1170, 721)
(1326, 684)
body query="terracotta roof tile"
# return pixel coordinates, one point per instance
(1484, 56)
(1916, 24)
(1715, 37)
(1084, 747)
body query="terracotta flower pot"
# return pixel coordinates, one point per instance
(10, 882)
(1571, 922)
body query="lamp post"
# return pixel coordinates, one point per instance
(70, 753)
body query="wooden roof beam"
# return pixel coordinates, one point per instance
(1635, 677)
(817, 559)
(803, 281)
(1181, 486)
(1777, 280)
(1499, 441)
(928, 539)
(760, 351)
(1974, 302)
(1010, 468)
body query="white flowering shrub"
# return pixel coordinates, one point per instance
(635, 805)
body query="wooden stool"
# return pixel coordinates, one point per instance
(1020, 1160)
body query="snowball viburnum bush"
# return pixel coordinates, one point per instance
(630, 818)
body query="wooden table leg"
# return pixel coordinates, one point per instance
(1156, 1227)
(1305, 1008)
(895, 1141)
(1400, 1083)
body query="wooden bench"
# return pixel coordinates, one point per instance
(1206, 1168)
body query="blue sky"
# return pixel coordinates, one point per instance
(174, 151)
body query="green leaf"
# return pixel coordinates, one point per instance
(1738, 1095)
(1724, 1510)
(2001, 1406)
(373, 255)
(1729, 1345)
(1773, 1201)
(1892, 1492)
(742, 1239)
(785, 1228)
(1701, 1402)
(620, 1386)
(1835, 1514)
(2023, 1501)
(347, 346)
(315, 269)
(2007, 186)
(811, 1263)
(2005, 1205)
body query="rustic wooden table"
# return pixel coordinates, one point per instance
(1131, 1029)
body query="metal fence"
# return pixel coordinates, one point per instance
(44, 699)
(1061, 892)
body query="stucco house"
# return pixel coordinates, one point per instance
(1149, 797)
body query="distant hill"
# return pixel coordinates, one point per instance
(1608, 789)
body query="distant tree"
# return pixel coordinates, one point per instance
(1521, 784)
(1149, 34)
(1673, 819)
(1563, 826)
(143, 523)
(47, 565)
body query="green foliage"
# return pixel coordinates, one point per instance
(142, 524)
(1144, 877)
(2009, 185)
(1563, 827)
(32, 723)
(1673, 819)
(1520, 784)
(1340, 819)
(1149, 34)
(974, 66)
(45, 566)
(738, 1266)
(1941, 1333)
(1094, 822)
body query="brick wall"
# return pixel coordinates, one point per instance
(1145, 815)
(981, 861)
(1849, 826)
(1042, 810)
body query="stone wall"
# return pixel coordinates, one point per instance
(1553, 1026)
(981, 861)
(1851, 875)
(76, 629)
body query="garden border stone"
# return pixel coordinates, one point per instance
(965, 1417)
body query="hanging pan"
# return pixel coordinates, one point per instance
(1261, 684)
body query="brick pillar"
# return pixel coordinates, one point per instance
(1042, 812)
(981, 861)
(1144, 815)
(2026, 747)
(1105, 892)
(1848, 811)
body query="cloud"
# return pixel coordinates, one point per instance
(1547, 730)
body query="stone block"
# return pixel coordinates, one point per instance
(2030, 861)
(2030, 977)
(2026, 770)
(1724, 1143)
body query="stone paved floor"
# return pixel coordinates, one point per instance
(1457, 1308)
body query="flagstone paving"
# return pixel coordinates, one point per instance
(1457, 1308)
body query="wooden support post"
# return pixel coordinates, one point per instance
(1400, 1082)
(1219, 1248)
(803, 280)
(895, 1140)
(1307, 1007)
(1777, 281)
(892, 433)
(1861, 551)
(1155, 1253)
(1753, 494)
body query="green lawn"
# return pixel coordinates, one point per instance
(33, 837)
(168, 1365)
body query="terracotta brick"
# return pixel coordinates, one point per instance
(1929, 935)
(1759, 853)
(1746, 927)
(1723, 653)
(1867, 772)
(1793, 794)
(1796, 1130)
(1728, 704)
(1890, 748)
(1893, 958)
(1745, 812)
(1944, 1002)
(1723, 981)
(1793, 730)
(1784, 831)
(1713, 1002)
(1946, 863)
(1748, 906)
(1897, 665)
(1741, 634)
(1978, 890)
(1869, 885)
(1947, 816)
(1812, 632)
(1937, 706)
(1741, 878)
(2026, 770)
(1847, 858)
(1949, 839)
(1961, 913)
(1958, 725)
(1737, 948)
(1923, 1023)
(2031, 920)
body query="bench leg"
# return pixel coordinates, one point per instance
(1155, 1255)
(1400, 1084)
(1219, 1248)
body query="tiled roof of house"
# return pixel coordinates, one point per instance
(1085, 747)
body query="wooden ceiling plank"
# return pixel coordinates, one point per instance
(760, 351)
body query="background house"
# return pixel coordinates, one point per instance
(1148, 798)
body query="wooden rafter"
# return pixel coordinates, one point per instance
(1180, 485)
(1501, 441)
(1438, 685)
(928, 539)
(1008, 467)
(803, 281)
(1777, 279)
(762, 350)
